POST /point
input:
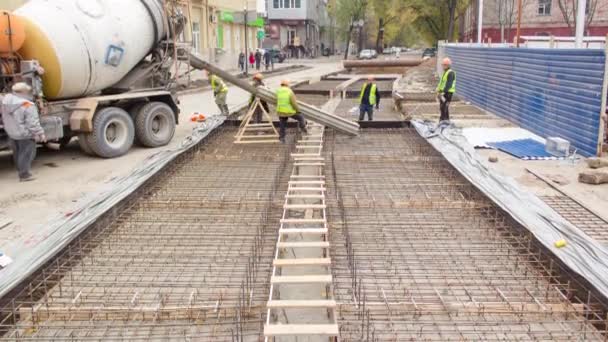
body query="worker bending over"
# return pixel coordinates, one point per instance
(220, 92)
(446, 89)
(22, 124)
(368, 98)
(258, 81)
(287, 107)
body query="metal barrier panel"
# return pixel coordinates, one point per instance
(551, 92)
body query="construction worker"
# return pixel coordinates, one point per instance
(368, 98)
(220, 92)
(22, 124)
(258, 81)
(446, 89)
(287, 107)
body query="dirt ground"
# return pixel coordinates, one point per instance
(65, 177)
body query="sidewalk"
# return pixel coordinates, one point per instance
(65, 177)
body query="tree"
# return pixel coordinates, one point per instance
(569, 9)
(506, 11)
(348, 13)
(436, 19)
(391, 14)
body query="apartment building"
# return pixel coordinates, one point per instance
(539, 18)
(297, 26)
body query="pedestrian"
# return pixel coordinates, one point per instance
(267, 59)
(258, 81)
(22, 124)
(446, 89)
(242, 61)
(258, 59)
(220, 93)
(287, 107)
(251, 59)
(368, 98)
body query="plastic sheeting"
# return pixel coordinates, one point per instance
(61, 232)
(552, 92)
(481, 136)
(582, 254)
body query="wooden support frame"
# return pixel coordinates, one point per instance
(264, 132)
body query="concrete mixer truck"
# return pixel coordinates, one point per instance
(100, 69)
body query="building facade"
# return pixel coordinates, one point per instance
(539, 18)
(298, 27)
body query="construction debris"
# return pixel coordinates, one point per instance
(593, 177)
(597, 163)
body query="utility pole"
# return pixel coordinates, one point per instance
(480, 21)
(519, 9)
(246, 40)
(580, 23)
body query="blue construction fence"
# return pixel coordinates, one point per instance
(551, 92)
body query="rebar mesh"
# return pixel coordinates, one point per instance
(189, 260)
(420, 255)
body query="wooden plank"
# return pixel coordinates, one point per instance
(304, 231)
(302, 262)
(303, 221)
(305, 196)
(309, 164)
(307, 182)
(306, 189)
(304, 206)
(316, 244)
(301, 329)
(305, 279)
(304, 176)
(257, 142)
(302, 147)
(301, 304)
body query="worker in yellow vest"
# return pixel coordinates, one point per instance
(368, 98)
(287, 107)
(220, 93)
(446, 89)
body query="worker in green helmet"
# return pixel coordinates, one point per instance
(287, 107)
(220, 92)
(446, 89)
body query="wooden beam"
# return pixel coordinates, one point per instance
(301, 304)
(305, 279)
(301, 329)
(317, 244)
(302, 262)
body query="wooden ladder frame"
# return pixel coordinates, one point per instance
(248, 132)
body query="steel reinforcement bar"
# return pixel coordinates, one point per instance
(419, 254)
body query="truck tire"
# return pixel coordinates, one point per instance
(84, 145)
(113, 133)
(155, 124)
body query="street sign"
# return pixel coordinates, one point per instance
(261, 34)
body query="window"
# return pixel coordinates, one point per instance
(196, 36)
(297, 4)
(286, 3)
(276, 3)
(544, 7)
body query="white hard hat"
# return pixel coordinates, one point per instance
(21, 87)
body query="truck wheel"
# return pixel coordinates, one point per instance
(113, 133)
(155, 124)
(84, 145)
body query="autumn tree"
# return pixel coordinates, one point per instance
(347, 14)
(569, 10)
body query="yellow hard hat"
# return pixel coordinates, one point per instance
(285, 83)
(258, 76)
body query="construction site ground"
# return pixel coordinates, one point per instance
(376, 234)
(68, 176)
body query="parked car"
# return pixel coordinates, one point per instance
(429, 52)
(374, 54)
(387, 51)
(278, 56)
(366, 54)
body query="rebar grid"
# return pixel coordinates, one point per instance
(419, 254)
(579, 216)
(190, 259)
(346, 109)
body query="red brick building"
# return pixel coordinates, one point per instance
(539, 18)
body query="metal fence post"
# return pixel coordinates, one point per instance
(600, 138)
